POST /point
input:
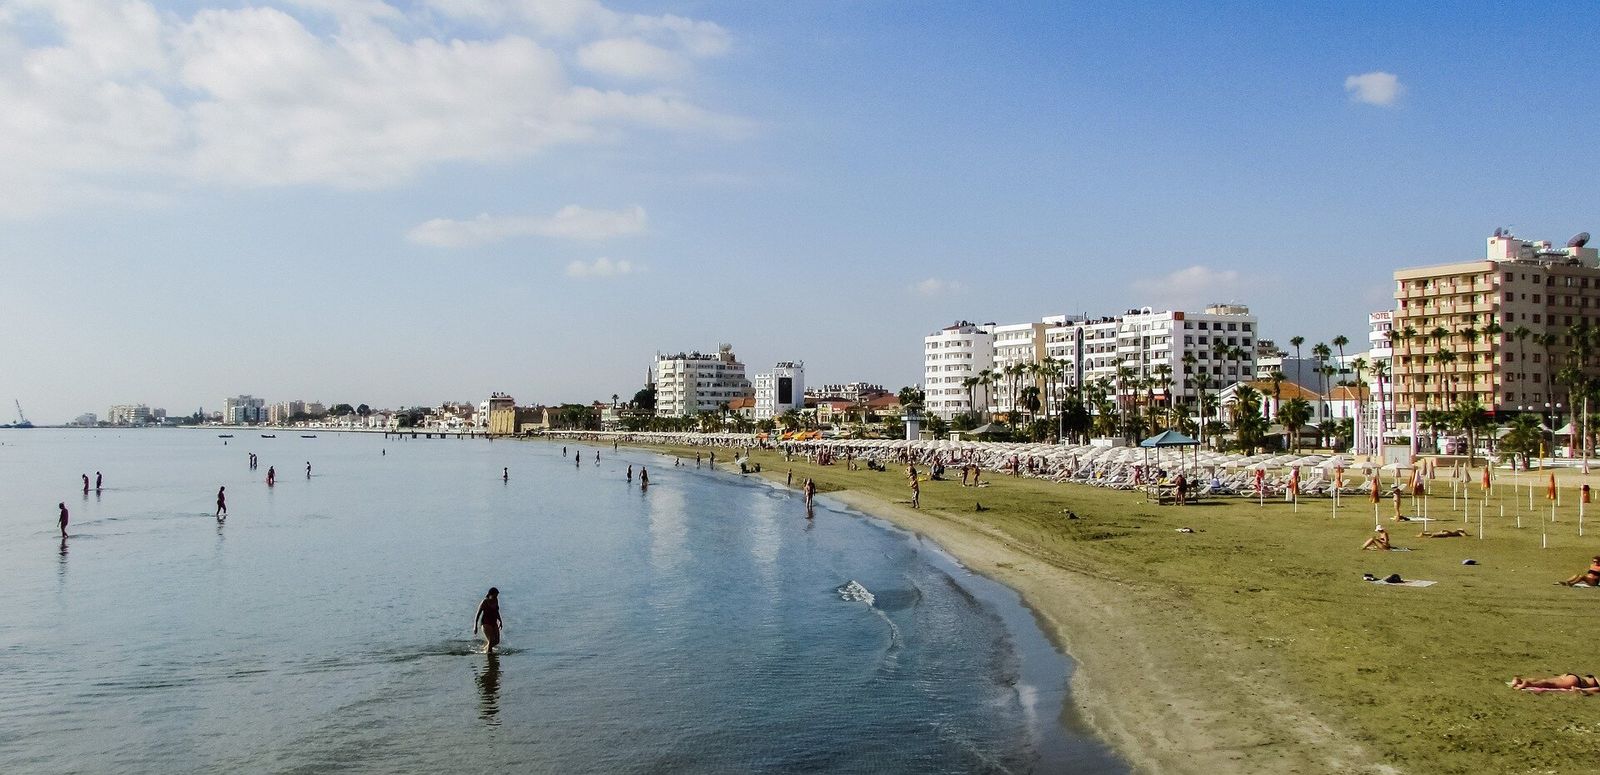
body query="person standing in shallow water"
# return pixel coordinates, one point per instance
(62, 519)
(98, 480)
(85, 482)
(222, 503)
(644, 478)
(505, 474)
(488, 618)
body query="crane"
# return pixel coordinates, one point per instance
(22, 419)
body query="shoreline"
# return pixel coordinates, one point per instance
(1161, 706)
(1156, 725)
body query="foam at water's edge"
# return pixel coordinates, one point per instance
(855, 593)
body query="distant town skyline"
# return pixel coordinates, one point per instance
(405, 203)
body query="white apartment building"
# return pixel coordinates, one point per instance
(691, 383)
(781, 389)
(951, 355)
(128, 414)
(1221, 341)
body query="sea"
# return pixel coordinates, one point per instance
(701, 625)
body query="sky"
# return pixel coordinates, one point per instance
(403, 203)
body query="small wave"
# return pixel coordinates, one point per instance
(855, 593)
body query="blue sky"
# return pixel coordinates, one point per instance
(284, 198)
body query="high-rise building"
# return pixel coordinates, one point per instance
(1166, 350)
(779, 390)
(244, 410)
(690, 383)
(1495, 330)
(950, 356)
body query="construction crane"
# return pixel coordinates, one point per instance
(22, 419)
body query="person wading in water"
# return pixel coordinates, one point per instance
(489, 619)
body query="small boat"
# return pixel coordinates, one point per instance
(305, 436)
(269, 435)
(224, 435)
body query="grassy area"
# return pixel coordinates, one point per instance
(1415, 674)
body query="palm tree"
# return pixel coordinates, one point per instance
(1469, 417)
(971, 384)
(1293, 415)
(1340, 341)
(1297, 341)
(1380, 370)
(1322, 354)
(1359, 368)
(1163, 380)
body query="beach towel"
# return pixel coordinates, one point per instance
(1411, 583)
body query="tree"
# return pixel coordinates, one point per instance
(340, 410)
(1293, 415)
(912, 399)
(1523, 437)
(363, 410)
(1322, 353)
(1469, 416)
(938, 428)
(645, 400)
(971, 384)
(1249, 427)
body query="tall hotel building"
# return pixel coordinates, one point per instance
(1445, 349)
(1221, 341)
(691, 383)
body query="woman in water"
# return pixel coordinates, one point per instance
(488, 618)
(222, 503)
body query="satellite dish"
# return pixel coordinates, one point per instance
(1499, 232)
(1579, 241)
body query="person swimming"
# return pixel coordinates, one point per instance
(488, 617)
(222, 503)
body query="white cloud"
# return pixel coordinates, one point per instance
(1374, 88)
(571, 222)
(111, 98)
(1191, 288)
(934, 286)
(602, 267)
(632, 58)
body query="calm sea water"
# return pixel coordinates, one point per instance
(326, 627)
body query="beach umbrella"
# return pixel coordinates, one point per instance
(1550, 493)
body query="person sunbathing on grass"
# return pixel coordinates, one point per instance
(1443, 534)
(1379, 542)
(1569, 682)
(1590, 576)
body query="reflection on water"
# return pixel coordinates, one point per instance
(691, 629)
(488, 678)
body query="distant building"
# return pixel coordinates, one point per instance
(502, 411)
(128, 414)
(86, 420)
(244, 410)
(852, 391)
(690, 383)
(281, 412)
(780, 390)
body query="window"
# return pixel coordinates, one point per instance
(1536, 298)
(1536, 317)
(1536, 357)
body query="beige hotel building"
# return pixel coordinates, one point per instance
(1518, 285)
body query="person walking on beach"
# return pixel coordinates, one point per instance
(62, 519)
(916, 494)
(697, 460)
(488, 618)
(222, 503)
(505, 474)
(809, 489)
(597, 457)
(98, 480)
